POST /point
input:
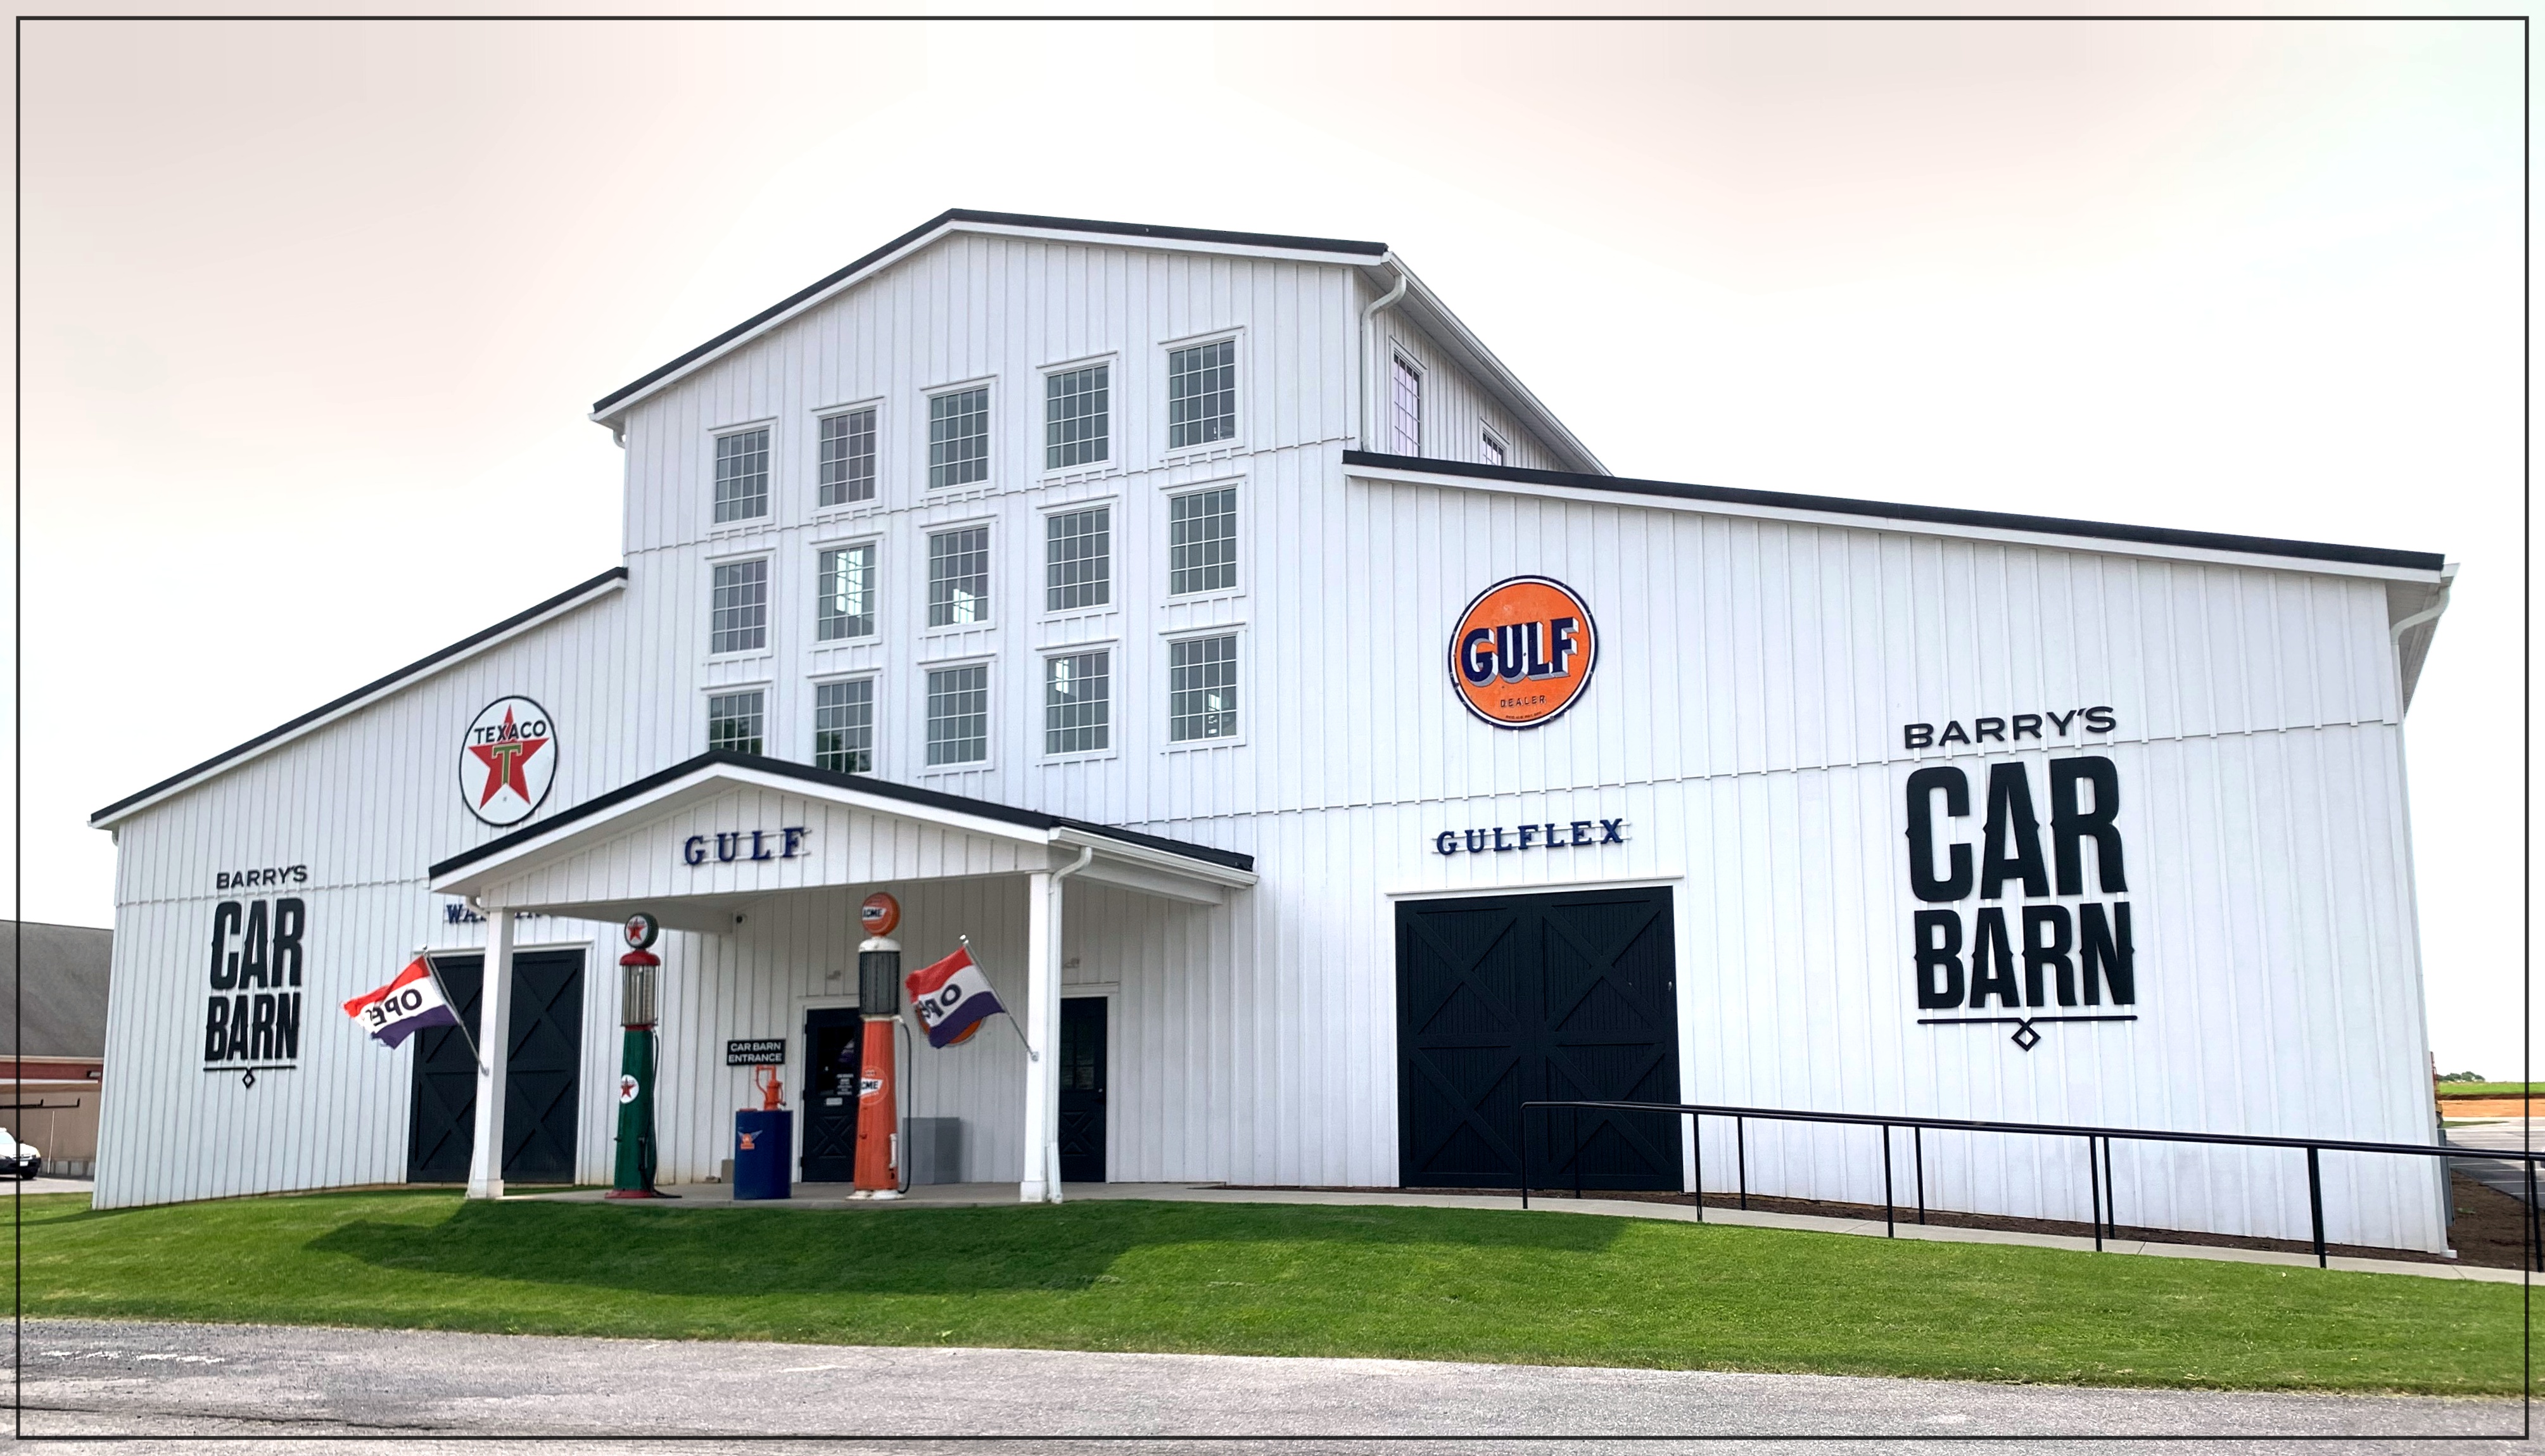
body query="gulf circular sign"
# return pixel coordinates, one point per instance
(1522, 652)
(507, 760)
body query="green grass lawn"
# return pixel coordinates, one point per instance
(1274, 1280)
(2488, 1089)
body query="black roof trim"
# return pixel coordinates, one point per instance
(880, 787)
(1003, 220)
(613, 574)
(2155, 536)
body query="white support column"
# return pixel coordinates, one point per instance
(494, 1037)
(1042, 1022)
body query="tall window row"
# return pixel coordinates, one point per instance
(1077, 431)
(1077, 708)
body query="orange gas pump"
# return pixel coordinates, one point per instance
(878, 1163)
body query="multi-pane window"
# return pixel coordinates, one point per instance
(847, 605)
(738, 614)
(847, 459)
(1077, 703)
(1201, 395)
(1490, 450)
(1201, 541)
(1077, 428)
(844, 726)
(742, 475)
(959, 577)
(959, 714)
(1405, 409)
(958, 437)
(1077, 560)
(734, 722)
(1201, 689)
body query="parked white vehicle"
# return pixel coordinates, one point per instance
(19, 1159)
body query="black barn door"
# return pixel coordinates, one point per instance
(1502, 1000)
(830, 1064)
(1082, 1089)
(539, 1080)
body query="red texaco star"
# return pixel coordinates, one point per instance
(503, 759)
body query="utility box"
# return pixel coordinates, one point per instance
(763, 1147)
(935, 1150)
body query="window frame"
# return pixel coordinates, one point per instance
(1235, 632)
(1237, 485)
(1110, 505)
(1112, 461)
(1490, 438)
(1398, 358)
(883, 434)
(874, 718)
(822, 548)
(928, 489)
(1235, 440)
(707, 710)
(1043, 659)
(768, 606)
(767, 517)
(988, 526)
(988, 663)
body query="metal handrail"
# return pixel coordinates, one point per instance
(2098, 1177)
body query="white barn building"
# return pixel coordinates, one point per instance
(1325, 754)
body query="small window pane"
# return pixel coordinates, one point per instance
(848, 458)
(1201, 541)
(742, 475)
(847, 605)
(1491, 450)
(1077, 703)
(1405, 409)
(1201, 395)
(734, 722)
(958, 437)
(959, 577)
(844, 726)
(959, 714)
(1201, 689)
(738, 617)
(1077, 560)
(1076, 425)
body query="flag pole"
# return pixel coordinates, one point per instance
(458, 1020)
(1031, 1054)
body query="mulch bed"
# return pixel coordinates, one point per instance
(2490, 1229)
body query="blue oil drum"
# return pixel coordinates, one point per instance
(763, 1145)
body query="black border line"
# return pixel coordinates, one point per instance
(18, 701)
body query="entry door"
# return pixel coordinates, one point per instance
(1502, 1000)
(1082, 1089)
(539, 1077)
(831, 1095)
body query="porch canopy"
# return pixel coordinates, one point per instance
(697, 843)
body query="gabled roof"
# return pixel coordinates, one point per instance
(424, 665)
(968, 219)
(882, 789)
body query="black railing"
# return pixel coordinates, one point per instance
(2098, 1171)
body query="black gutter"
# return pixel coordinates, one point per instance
(1003, 220)
(616, 573)
(880, 787)
(2155, 536)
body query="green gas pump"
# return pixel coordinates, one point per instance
(639, 975)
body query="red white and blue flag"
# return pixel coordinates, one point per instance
(953, 998)
(406, 1006)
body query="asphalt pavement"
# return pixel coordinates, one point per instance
(2506, 1134)
(266, 1387)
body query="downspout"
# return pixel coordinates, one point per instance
(1368, 325)
(1059, 966)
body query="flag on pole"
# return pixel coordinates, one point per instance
(953, 998)
(409, 1004)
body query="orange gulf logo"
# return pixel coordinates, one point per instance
(1522, 652)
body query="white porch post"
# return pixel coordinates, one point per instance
(1042, 1022)
(494, 1035)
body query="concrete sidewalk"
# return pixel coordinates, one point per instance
(834, 1196)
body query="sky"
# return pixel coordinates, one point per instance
(314, 311)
